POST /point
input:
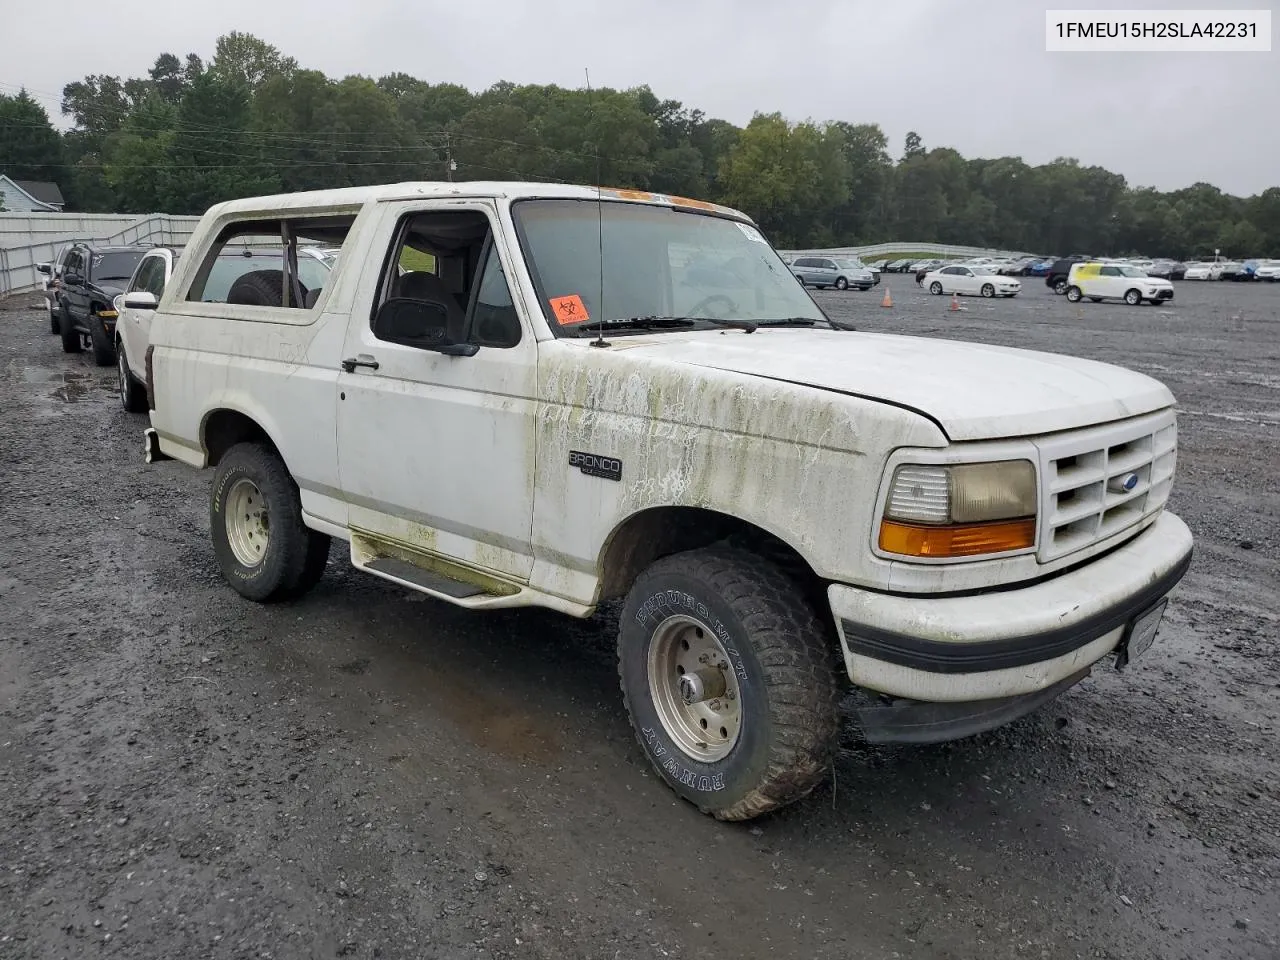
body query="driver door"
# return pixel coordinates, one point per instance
(436, 452)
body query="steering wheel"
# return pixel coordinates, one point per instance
(731, 306)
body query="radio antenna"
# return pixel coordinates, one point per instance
(599, 341)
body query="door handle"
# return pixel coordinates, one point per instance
(363, 360)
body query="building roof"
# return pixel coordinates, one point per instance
(42, 190)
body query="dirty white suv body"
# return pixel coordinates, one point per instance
(961, 530)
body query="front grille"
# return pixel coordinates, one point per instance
(1083, 497)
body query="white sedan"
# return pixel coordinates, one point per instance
(1268, 270)
(1203, 271)
(970, 282)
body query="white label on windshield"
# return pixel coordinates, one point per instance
(751, 232)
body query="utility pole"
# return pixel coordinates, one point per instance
(449, 164)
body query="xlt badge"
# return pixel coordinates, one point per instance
(594, 465)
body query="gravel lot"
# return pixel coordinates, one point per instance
(366, 773)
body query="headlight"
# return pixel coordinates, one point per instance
(960, 511)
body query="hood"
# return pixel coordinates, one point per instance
(973, 391)
(112, 288)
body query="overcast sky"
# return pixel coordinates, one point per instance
(970, 75)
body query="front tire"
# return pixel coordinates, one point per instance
(935, 288)
(842, 283)
(1133, 298)
(104, 351)
(988, 291)
(1074, 294)
(728, 626)
(263, 548)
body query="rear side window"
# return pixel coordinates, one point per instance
(263, 263)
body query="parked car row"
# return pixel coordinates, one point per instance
(1055, 269)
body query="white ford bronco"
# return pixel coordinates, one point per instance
(531, 394)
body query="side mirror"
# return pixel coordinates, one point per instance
(140, 300)
(45, 268)
(419, 323)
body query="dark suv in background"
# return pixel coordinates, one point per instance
(1056, 278)
(91, 278)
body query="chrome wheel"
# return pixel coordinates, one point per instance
(247, 522)
(694, 689)
(122, 367)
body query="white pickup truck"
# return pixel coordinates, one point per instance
(531, 394)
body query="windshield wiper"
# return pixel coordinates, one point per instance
(637, 323)
(804, 322)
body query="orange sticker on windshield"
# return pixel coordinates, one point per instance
(569, 309)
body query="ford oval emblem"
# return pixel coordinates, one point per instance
(1129, 482)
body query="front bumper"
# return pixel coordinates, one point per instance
(1007, 643)
(1164, 294)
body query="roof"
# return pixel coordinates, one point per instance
(115, 247)
(42, 190)
(357, 196)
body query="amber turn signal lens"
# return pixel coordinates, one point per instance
(918, 540)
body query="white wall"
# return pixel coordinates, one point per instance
(30, 238)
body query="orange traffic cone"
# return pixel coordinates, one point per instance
(955, 302)
(888, 300)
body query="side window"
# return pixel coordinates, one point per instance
(828, 265)
(257, 262)
(157, 281)
(141, 279)
(802, 262)
(445, 285)
(494, 322)
(1110, 272)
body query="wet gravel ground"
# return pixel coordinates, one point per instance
(366, 773)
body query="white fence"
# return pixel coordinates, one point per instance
(30, 238)
(889, 249)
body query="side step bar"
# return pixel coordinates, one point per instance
(433, 575)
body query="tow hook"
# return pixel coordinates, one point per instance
(151, 446)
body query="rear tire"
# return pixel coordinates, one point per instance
(70, 335)
(132, 396)
(768, 738)
(1060, 287)
(263, 548)
(935, 288)
(53, 319)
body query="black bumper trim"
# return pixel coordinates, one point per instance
(933, 656)
(914, 721)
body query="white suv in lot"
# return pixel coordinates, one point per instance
(532, 394)
(1115, 281)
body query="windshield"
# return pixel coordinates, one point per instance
(658, 262)
(114, 266)
(1126, 271)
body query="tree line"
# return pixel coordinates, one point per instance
(252, 121)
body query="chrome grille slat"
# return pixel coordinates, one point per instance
(1079, 506)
